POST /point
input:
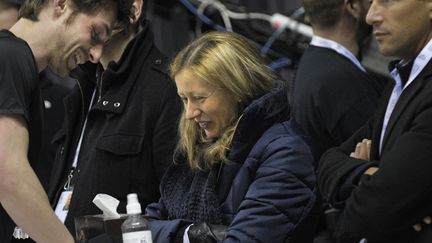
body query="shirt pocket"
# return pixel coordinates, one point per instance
(116, 163)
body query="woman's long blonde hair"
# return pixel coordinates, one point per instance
(227, 61)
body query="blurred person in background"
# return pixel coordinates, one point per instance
(333, 94)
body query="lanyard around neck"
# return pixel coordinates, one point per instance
(78, 148)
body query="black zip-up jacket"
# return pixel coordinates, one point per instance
(130, 135)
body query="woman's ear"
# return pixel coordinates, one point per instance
(136, 10)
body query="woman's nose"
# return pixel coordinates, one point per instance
(192, 111)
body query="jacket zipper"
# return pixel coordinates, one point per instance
(99, 84)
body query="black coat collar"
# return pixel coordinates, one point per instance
(406, 97)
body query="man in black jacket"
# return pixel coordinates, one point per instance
(121, 126)
(385, 188)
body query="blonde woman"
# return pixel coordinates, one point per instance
(242, 173)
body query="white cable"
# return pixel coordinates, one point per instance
(291, 23)
(298, 27)
(261, 16)
(297, 13)
(278, 20)
(224, 13)
(201, 9)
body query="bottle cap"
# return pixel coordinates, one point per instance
(133, 206)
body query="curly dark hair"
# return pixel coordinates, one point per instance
(31, 8)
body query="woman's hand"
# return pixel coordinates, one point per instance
(206, 233)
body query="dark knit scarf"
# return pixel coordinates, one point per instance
(191, 194)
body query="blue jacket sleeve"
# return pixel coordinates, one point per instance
(164, 230)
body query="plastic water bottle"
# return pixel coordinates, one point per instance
(135, 228)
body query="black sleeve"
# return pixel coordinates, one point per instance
(357, 114)
(338, 173)
(165, 132)
(18, 77)
(384, 206)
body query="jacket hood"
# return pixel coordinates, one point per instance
(261, 114)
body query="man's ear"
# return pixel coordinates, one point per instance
(59, 7)
(136, 10)
(353, 7)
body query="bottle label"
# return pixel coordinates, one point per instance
(138, 237)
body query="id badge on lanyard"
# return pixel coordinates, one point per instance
(63, 204)
(64, 201)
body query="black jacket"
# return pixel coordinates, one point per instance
(130, 134)
(332, 97)
(385, 206)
